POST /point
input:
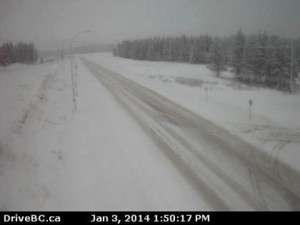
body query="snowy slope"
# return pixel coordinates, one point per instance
(94, 158)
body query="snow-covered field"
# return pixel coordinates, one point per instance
(55, 156)
(274, 125)
(95, 158)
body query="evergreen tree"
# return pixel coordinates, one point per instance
(6, 54)
(150, 51)
(166, 52)
(184, 49)
(238, 51)
(194, 52)
(217, 57)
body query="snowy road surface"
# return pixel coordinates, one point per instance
(225, 172)
(123, 147)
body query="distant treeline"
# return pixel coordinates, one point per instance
(19, 53)
(261, 58)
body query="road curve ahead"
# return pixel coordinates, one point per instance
(229, 172)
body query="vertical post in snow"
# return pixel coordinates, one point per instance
(206, 94)
(73, 85)
(74, 76)
(292, 67)
(250, 105)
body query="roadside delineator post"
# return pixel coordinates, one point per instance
(250, 106)
(206, 94)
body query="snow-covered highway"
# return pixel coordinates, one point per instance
(123, 147)
(219, 165)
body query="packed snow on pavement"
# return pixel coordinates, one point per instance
(67, 144)
(273, 126)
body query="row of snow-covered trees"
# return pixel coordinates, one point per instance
(21, 53)
(262, 59)
(181, 49)
(269, 60)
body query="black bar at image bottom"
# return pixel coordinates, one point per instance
(144, 217)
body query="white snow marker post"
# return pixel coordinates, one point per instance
(250, 105)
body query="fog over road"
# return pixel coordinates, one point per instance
(228, 173)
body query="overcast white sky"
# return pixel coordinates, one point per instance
(48, 22)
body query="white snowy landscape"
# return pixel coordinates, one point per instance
(138, 105)
(68, 142)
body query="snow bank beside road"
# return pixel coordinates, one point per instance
(31, 124)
